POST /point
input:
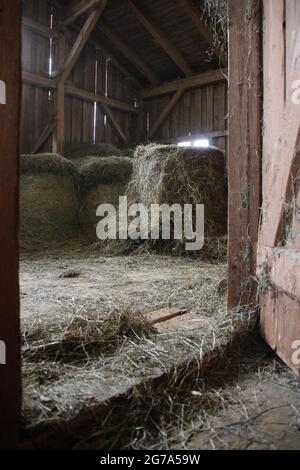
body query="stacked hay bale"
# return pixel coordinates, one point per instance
(102, 181)
(48, 200)
(79, 153)
(168, 174)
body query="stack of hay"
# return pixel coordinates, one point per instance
(168, 174)
(102, 181)
(48, 200)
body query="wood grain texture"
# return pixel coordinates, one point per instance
(244, 154)
(10, 73)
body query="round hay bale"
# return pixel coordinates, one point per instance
(168, 174)
(75, 151)
(49, 208)
(102, 181)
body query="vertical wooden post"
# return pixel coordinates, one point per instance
(244, 153)
(59, 100)
(10, 74)
(140, 133)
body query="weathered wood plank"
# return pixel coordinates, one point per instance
(140, 65)
(280, 326)
(10, 372)
(77, 8)
(165, 113)
(195, 81)
(162, 315)
(205, 32)
(161, 39)
(244, 157)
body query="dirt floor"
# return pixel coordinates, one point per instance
(247, 401)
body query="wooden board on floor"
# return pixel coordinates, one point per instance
(164, 314)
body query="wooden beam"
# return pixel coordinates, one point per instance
(203, 79)
(127, 74)
(46, 133)
(130, 55)
(205, 32)
(244, 155)
(114, 123)
(38, 80)
(165, 113)
(76, 9)
(60, 109)
(89, 96)
(82, 39)
(39, 28)
(159, 316)
(162, 39)
(79, 44)
(10, 360)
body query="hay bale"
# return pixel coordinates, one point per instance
(48, 200)
(168, 174)
(93, 150)
(128, 152)
(102, 181)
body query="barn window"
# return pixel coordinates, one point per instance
(50, 62)
(95, 104)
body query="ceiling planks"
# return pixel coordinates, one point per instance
(130, 55)
(76, 9)
(161, 39)
(205, 32)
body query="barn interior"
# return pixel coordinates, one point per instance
(130, 343)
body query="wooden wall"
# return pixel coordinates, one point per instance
(36, 107)
(200, 111)
(37, 102)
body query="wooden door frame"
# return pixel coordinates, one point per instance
(244, 148)
(10, 74)
(244, 165)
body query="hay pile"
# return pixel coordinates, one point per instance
(167, 174)
(91, 150)
(142, 384)
(102, 181)
(48, 200)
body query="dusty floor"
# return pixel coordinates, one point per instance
(50, 283)
(251, 401)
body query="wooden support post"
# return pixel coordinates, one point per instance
(80, 42)
(46, 133)
(10, 363)
(244, 155)
(59, 102)
(114, 123)
(140, 134)
(165, 113)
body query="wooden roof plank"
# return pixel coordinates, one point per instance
(161, 39)
(205, 32)
(130, 55)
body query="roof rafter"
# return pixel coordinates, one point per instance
(195, 15)
(76, 9)
(161, 39)
(130, 55)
